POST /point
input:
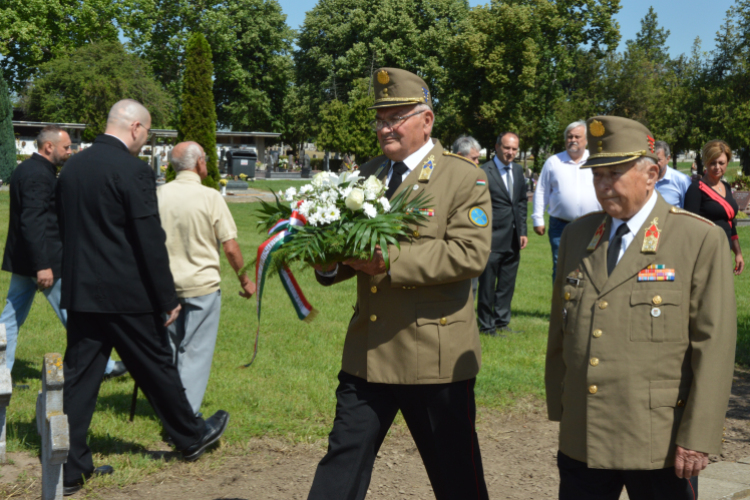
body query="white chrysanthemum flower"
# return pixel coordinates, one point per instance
(385, 204)
(290, 194)
(344, 192)
(369, 210)
(314, 218)
(332, 214)
(307, 188)
(305, 208)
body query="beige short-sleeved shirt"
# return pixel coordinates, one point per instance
(197, 220)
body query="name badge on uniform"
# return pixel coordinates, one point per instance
(656, 272)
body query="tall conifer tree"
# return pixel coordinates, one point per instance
(198, 113)
(7, 139)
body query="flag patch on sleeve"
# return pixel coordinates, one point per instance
(481, 183)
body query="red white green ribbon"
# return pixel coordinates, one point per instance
(281, 232)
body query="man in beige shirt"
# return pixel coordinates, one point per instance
(196, 219)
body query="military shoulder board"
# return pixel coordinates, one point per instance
(676, 210)
(446, 153)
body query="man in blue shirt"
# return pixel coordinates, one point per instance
(672, 184)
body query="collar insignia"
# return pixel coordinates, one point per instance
(651, 240)
(427, 168)
(597, 236)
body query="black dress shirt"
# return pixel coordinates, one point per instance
(33, 241)
(701, 199)
(114, 254)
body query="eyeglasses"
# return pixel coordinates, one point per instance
(394, 122)
(148, 131)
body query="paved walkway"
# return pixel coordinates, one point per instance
(248, 196)
(722, 481)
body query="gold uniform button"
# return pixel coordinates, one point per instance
(373, 318)
(443, 321)
(374, 289)
(603, 304)
(567, 295)
(657, 300)
(593, 389)
(416, 234)
(594, 361)
(597, 333)
(681, 403)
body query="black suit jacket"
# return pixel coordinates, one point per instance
(508, 214)
(114, 254)
(33, 241)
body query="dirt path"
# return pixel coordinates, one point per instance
(518, 451)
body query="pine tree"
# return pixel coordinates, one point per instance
(198, 114)
(7, 139)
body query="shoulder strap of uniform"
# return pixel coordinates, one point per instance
(588, 214)
(446, 153)
(676, 210)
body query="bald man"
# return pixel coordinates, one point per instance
(195, 231)
(118, 290)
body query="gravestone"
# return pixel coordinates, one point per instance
(742, 198)
(52, 425)
(6, 389)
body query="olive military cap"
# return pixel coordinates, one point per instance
(614, 140)
(398, 87)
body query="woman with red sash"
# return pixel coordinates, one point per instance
(711, 197)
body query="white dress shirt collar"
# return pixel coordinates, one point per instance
(499, 164)
(413, 160)
(565, 158)
(634, 224)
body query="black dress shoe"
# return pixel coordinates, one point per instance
(507, 329)
(71, 488)
(215, 427)
(118, 371)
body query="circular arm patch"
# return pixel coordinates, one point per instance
(478, 217)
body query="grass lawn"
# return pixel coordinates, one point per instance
(289, 391)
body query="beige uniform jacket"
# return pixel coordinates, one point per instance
(635, 367)
(417, 325)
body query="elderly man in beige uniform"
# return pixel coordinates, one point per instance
(197, 220)
(413, 343)
(642, 332)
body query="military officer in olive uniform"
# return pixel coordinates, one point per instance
(642, 332)
(413, 343)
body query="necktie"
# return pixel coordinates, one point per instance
(614, 248)
(399, 169)
(509, 177)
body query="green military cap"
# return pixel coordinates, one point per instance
(613, 140)
(398, 87)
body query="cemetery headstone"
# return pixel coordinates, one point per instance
(742, 198)
(52, 425)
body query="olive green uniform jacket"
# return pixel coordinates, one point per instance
(634, 368)
(416, 324)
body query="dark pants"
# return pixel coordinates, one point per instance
(496, 286)
(579, 482)
(556, 227)
(441, 420)
(141, 340)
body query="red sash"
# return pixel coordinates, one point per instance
(719, 199)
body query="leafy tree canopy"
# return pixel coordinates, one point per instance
(7, 139)
(33, 32)
(251, 44)
(81, 87)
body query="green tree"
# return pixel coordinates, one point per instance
(652, 39)
(83, 85)
(33, 32)
(7, 139)
(343, 41)
(251, 43)
(510, 60)
(198, 114)
(345, 126)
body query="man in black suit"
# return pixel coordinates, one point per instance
(116, 286)
(508, 192)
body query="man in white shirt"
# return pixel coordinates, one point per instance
(672, 184)
(565, 188)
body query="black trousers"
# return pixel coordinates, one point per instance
(579, 482)
(441, 420)
(141, 340)
(496, 286)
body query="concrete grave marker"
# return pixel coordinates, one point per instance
(6, 389)
(52, 425)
